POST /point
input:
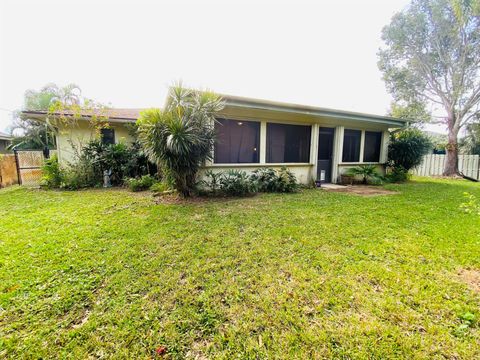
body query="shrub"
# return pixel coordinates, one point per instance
(211, 182)
(236, 183)
(369, 173)
(160, 187)
(123, 161)
(266, 179)
(52, 174)
(181, 136)
(269, 180)
(80, 174)
(140, 184)
(407, 148)
(286, 181)
(396, 174)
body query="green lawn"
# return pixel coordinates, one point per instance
(111, 274)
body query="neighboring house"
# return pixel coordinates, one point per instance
(5, 140)
(314, 143)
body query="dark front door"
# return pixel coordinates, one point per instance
(325, 152)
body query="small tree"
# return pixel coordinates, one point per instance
(407, 148)
(180, 138)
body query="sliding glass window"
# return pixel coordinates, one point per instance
(288, 143)
(237, 142)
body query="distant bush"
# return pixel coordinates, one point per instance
(236, 183)
(52, 174)
(140, 184)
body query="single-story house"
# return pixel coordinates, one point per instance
(314, 143)
(5, 140)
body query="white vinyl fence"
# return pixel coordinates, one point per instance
(433, 165)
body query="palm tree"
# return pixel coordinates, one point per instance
(180, 138)
(40, 135)
(366, 172)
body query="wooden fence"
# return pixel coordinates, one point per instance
(8, 170)
(432, 165)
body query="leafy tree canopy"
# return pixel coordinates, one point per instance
(431, 60)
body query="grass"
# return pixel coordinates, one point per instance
(111, 274)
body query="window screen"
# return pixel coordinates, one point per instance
(108, 136)
(371, 152)
(237, 142)
(288, 143)
(351, 145)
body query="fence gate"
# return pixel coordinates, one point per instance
(29, 166)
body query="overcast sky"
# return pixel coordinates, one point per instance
(126, 53)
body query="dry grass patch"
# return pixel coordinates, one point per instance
(363, 190)
(471, 277)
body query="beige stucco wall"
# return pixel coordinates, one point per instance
(71, 138)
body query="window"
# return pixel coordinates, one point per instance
(351, 145)
(288, 143)
(237, 142)
(108, 136)
(373, 141)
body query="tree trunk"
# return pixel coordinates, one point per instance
(451, 163)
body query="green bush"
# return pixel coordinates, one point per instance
(269, 180)
(140, 184)
(236, 183)
(52, 174)
(286, 181)
(407, 148)
(396, 175)
(80, 174)
(160, 187)
(266, 179)
(123, 161)
(211, 183)
(239, 183)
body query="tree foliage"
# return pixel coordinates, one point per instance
(180, 137)
(407, 148)
(431, 60)
(39, 135)
(470, 144)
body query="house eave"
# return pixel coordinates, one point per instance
(314, 112)
(41, 115)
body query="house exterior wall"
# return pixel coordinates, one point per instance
(71, 138)
(306, 173)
